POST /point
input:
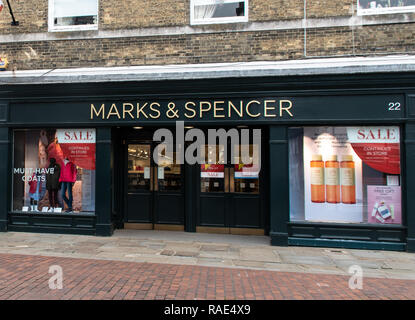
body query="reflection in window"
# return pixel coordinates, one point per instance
(385, 6)
(73, 14)
(218, 11)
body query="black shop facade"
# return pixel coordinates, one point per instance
(330, 159)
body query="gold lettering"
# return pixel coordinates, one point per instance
(124, 110)
(140, 110)
(266, 108)
(286, 109)
(190, 109)
(247, 109)
(240, 112)
(94, 111)
(156, 110)
(113, 111)
(203, 109)
(216, 108)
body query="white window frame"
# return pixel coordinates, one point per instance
(391, 10)
(235, 19)
(53, 28)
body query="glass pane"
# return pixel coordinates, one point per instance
(345, 174)
(54, 170)
(219, 10)
(139, 170)
(246, 175)
(169, 175)
(212, 173)
(373, 4)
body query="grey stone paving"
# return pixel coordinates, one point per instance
(253, 252)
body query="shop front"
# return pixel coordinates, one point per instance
(329, 166)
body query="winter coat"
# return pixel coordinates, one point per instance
(68, 172)
(37, 188)
(52, 179)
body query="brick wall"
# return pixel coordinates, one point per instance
(31, 14)
(213, 46)
(128, 14)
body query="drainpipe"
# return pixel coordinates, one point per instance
(305, 28)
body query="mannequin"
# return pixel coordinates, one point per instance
(52, 183)
(36, 191)
(67, 178)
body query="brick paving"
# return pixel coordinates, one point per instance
(27, 277)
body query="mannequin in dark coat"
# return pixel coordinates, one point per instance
(52, 182)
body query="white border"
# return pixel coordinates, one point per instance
(193, 21)
(391, 10)
(52, 28)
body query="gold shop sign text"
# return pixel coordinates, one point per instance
(196, 110)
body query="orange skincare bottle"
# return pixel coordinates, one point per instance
(317, 178)
(332, 175)
(347, 176)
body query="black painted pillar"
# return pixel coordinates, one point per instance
(279, 188)
(410, 184)
(103, 194)
(190, 198)
(5, 176)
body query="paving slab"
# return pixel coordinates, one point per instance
(209, 249)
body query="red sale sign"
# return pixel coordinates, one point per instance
(212, 171)
(78, 145)
(378, 147)
(1, 5)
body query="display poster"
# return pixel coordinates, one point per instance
(351, 174)
(384, 204)
(246, 171)
(378, 147)
(212, 171)
(78, 145)
(325, 149)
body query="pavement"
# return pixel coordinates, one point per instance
(215, 250)
(152, 265)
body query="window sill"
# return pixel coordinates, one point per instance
(218, 21)
(74, 28)
(50, 214)
(377, 11)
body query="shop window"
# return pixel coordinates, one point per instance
(54, 171)
(73, 15)
(218, 11)
(139, 167)
(246, 176)
(345, 174)
(368, 7)
(212, 173)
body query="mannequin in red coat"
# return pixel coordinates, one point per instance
(68, 178)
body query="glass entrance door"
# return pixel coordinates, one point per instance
(230, 193)
(155, 198)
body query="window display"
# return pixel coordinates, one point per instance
(345, 174)
(54, 170)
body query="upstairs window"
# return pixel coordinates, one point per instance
(368, 7)
(218, 11)
(73, 15)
